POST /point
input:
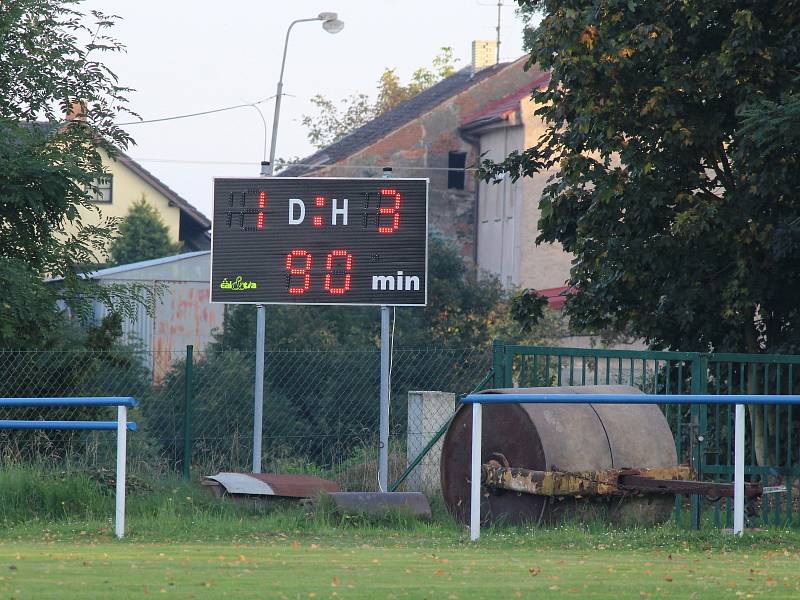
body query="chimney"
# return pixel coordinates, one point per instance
(77, 111)
(484, 54)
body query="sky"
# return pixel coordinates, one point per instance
(189, 56)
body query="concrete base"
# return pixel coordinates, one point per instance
(375, 503)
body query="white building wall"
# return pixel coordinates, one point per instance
(499, 207)
(508, 213)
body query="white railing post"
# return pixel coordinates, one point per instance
(475, 473)
(738, 472)
(122, 444)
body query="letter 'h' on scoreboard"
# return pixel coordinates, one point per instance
(287, 240)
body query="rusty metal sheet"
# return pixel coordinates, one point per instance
(271, 484)
(296, 486)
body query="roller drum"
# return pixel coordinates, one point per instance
(564, 437)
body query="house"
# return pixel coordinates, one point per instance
(508, 212)
(129, 182)
(482, 111)
(183, 314)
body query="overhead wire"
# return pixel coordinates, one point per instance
(309, 165)
(198, 114)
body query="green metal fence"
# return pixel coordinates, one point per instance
(703, 434)
(321, 409)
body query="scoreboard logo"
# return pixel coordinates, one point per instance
(320, 241)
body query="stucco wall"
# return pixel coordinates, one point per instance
(547, 265)
(127, 188)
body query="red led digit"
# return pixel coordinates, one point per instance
(262, 205)
(393, 210)
(319, 202)
(305, 271)
(348, 267)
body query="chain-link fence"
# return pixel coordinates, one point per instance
(320, 408)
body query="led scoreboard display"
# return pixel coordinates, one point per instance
(288, 240)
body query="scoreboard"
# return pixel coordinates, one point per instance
(288, 240)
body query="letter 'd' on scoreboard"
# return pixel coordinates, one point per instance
(288, 240)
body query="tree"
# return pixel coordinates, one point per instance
(672, 225)
(48, 168)
(331, 124)
(672, 193)
(142, 236)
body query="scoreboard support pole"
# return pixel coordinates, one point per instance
(383, 424)
(383, 446)
(258, 409)
(261, 319)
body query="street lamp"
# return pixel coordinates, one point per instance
(331, 24)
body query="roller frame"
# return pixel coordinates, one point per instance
(607, 482)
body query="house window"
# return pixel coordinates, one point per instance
(103, 190)
(456, 161)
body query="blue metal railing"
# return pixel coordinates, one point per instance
(478, 400)
(121, 426)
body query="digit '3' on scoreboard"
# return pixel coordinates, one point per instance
(315, 240)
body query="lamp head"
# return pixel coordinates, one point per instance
(331, 22)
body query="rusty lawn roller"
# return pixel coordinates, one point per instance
(544, 462)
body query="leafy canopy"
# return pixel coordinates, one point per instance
(331, 123)
(142, 236)
(672, 127)
(49, 53)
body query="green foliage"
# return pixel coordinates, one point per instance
(331, 124)
(142, 236)
(527, 308)
(530, 14)
(49, 52)
(392, 92)
(672, 129)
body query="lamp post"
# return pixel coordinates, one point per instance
(331, 24)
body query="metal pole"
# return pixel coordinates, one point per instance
(122, 444)
(258, 410)
(187, 415)
(383, 446)
(266, 171)
(738, 472)
(475, 473)
(499, 7)
(270, 168)
(383, 426)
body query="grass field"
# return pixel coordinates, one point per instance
(392, 565)
(58, 544)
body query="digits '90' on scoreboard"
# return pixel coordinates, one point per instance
(288, 240)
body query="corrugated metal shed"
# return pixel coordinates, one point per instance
(183, 314)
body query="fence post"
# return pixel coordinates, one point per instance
(498, 363)
(699, 419)
(122, 451)
(187, 415)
